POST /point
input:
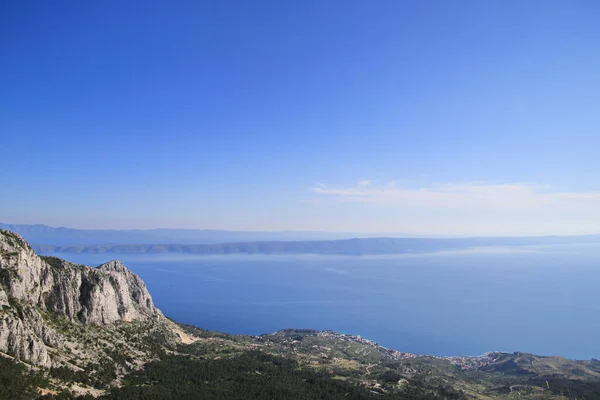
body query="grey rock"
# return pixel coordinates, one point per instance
(3, 298)
(18, 339)
(82, 294)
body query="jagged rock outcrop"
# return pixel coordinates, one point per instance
(3, 298)
(25, 335)
(30, 284)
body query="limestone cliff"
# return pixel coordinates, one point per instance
(31, 286)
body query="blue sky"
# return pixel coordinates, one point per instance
(425, 117)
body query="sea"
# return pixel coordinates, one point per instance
(537, 299)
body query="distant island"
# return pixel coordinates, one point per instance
(46, 239)
(366, 246)
(60, 236)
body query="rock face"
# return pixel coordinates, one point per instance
(30, 284)
(26, 336)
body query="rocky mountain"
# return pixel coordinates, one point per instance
(88, 295)
(69, 330)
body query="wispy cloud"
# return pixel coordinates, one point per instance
(470, 196)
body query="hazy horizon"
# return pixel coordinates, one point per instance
(368, 234)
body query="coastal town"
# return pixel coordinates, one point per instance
(296, 340)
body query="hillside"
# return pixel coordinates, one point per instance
(70, 330)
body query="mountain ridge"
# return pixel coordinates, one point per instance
(352, 246)
(47, 240)
(47, 235)
(98, 296)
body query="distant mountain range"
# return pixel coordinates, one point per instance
(47, 235)
(345, 246)
(45, 239)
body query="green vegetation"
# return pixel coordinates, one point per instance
(291, 364)
(251, 375)
(203, 333)
(17, 382)
(5, 255)
(98, 375)
(6, 276)
(54, 262)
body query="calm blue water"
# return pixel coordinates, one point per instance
(539, 300)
